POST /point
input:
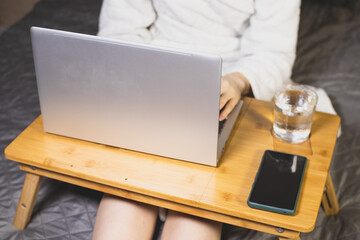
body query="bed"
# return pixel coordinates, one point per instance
(328, 56)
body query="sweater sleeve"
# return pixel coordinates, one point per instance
(268, 46)
(127, 20)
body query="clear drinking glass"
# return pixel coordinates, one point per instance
(294, 110)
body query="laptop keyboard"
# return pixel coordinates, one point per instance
(221, 126)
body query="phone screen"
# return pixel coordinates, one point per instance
(278, 182)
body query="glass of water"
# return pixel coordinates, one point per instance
(294, 110)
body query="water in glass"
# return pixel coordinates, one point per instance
(294, 110)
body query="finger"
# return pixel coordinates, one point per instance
(227, 109)
(224, 86)
(223, 100)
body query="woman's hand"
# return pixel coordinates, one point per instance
(233, 85)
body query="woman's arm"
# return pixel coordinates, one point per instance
(267, 49)
(268, 46)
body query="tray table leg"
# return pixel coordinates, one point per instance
(329, 200)
(27, 200)
(285, 238)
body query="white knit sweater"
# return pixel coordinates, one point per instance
(256, 38)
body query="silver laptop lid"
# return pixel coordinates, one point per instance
(135, 96)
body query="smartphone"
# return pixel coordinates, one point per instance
(278, 182)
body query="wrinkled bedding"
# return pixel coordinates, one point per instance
(328, 57)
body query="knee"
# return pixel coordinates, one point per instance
(184, 226)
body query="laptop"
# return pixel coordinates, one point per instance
(150, 99)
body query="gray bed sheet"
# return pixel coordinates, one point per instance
(328, 57)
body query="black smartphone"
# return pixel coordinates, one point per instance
(278, 182)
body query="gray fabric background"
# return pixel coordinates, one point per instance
(328, 57)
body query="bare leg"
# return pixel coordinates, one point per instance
(182, 226)
(119, 218)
